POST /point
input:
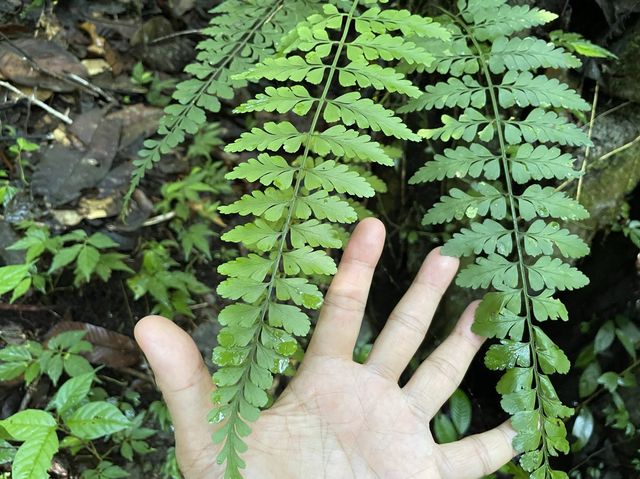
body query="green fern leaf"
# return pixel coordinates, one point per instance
(352, 109)
(552, 273)
(493, 270)
(541, 237)
(240, 34)
(540, 162)
(547, 202)
(314, 163)
(459, 204)
(474, 161)
(331, 176)
(268, 170)
(454, 92)
(523, 54)
(488, 237)
(514, 259)
(523, 89)
(544, 126)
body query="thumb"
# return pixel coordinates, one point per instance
(183, 379)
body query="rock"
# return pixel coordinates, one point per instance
(609, 180)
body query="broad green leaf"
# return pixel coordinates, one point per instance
(88, 259)
(246, 288)
(325, 206)
(72, 392)
(22, 425)
(101, 241)
(272, 204)
(272, 136)
(251, 266)
(491, 20)
(527, 426)
(281, 99)
(507, 355)
(34, 456)
(493, 317)
(350, 144)
(365, 75)
(540, 163)
(64, 257)
(290, 317)
(443, 429)
(454, 92)
(11, 276)
(545, 306)
(460, 410)
(96, 419)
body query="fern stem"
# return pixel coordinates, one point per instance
(138, 175)
(516, 230)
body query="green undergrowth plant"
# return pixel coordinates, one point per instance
(240, 34)
(193, 203)
(326, 66)
(80, 418)
(509, 119)
(46, 256)
(170, 285)
(615, 340)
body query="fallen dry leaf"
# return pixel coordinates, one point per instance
(110, 348)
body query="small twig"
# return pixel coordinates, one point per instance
(31, 389)
(606, 156)
(28, 308)
(195, 31)
(583, 169)
(35, 101)
(138, 374)
(159, 219)
(92, 88)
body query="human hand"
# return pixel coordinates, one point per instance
(340, 419)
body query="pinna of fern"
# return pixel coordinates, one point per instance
(240, 34)
(520, 249)
(304, 171)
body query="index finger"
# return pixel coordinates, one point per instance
(341, 315)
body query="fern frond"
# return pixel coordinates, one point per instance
(510, 232)
(312, 163)
(240, 34)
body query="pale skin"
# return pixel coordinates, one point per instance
(339, 419)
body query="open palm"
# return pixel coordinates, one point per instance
(337, 418)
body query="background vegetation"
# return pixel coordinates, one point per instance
(92, 239)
